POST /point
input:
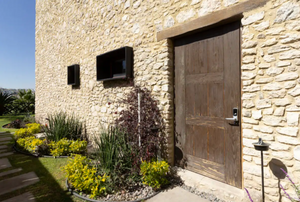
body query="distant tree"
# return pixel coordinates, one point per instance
(25, 102)
(5, 100)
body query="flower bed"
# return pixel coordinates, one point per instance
(85, 181)
(27, 142)
(39, 147)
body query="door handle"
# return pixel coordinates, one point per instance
(235, 115)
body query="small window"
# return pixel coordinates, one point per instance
(73, 75)
(115, 64)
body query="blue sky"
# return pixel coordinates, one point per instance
(17, 43)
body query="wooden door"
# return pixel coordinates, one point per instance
(207, 88)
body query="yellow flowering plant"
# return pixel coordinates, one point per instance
(84, 177)
(29, 143)
(65, 147)
(32, 128)
(154, 173)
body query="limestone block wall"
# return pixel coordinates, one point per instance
(270, 92)
(75, 32)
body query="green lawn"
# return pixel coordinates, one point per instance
(5, 119)
(51, 186)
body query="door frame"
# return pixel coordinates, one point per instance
(228, 21)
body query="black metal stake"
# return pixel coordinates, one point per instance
(261, 146)
(262, 176)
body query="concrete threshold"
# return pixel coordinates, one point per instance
(204, 184)
(176, 194)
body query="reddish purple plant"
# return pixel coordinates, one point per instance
(150, 128)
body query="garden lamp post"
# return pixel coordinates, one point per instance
(261, 146)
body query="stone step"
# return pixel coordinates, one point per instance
(26, 197)
(4, 163)
(4, 133)
(3, 150)
(6, 154)
(10, 172)
(5, 139)
(6, 142)
(18, 182)
(3, 147)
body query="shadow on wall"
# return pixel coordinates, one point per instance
(276, 166)
(118, 84)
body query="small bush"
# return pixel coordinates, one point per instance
(77, 147)
(63, 126)
(64, 147)
(29, 143)
(31, 129)
(154, 173)
(115, 155)
(149, 132)
(29, 119)
(85, 178)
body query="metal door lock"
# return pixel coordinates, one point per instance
(235, 113)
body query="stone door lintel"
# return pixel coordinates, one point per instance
(219, 17)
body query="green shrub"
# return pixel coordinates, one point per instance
(84, 177)
(64, 147)
(115, 155)
(31, 129)
(29, 119)
(77, 147)
(154, 173)
(63, 126)
(29, 143)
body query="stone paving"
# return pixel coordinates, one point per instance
(4, 163)
(10, 184)
(27, 197)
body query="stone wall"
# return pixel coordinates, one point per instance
(270, 93)
(75, 32)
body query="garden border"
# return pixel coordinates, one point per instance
(92, 200)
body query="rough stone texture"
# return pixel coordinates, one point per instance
(69, 33)
(276, 86)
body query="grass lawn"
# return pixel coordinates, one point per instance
(51, 186)
(5, 119)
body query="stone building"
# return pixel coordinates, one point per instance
(200, 59)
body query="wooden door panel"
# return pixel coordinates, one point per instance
(190, 99)
(216, 144)
(233, 99)
(215, 54)
(189, 143)
(201, 106)
(201, 140)
(207, 88)
(205, 167)
(179, 80)
(216, 100)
